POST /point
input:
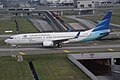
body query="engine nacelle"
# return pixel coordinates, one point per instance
(48, 43)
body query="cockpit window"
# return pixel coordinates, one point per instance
(11, 38)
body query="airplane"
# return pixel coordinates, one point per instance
(58, 38)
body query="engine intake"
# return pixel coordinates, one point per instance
(48, 43)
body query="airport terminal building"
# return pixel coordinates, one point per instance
(95, 3)
(83, 3)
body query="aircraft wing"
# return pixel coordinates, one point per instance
(63, 40)
(60, 41)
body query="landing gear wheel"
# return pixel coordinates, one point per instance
(59, 45)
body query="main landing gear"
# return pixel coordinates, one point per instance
(59, 45)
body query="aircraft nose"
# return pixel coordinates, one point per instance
(6, 41)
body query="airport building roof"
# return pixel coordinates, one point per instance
(104, 55)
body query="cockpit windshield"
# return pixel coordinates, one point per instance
(11, 38)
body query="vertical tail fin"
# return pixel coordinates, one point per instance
(104, 23)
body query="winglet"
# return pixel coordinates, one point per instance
(77, 35)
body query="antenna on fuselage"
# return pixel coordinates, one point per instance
(17, 27)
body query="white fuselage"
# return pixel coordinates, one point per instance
(39, 38)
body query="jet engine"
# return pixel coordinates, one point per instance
(48, 43)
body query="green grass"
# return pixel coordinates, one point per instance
(56, 67)
(69, 13)
(48, 67)
(115, 18)
(114, 10)
(2, 43)
(10, 69)
(25, 26)
(6, 25)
